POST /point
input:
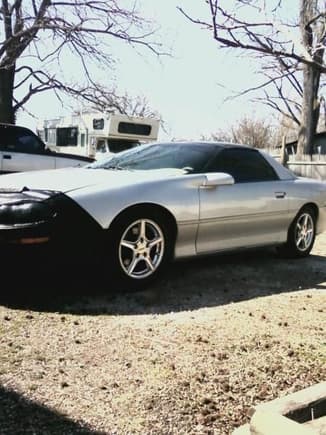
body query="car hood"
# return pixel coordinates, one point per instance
(69, 179)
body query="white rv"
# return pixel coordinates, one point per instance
(94, 133)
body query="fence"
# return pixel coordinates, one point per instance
(308, 166)
(312, 166)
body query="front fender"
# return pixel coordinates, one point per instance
(178, 195)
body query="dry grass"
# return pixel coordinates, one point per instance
(190, 356)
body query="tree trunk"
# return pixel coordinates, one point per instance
(310, 110)
(311, 78)
(7, 77)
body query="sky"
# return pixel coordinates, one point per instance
(188, 88)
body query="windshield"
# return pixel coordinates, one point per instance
(192, 157)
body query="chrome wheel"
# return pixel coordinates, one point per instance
(301, 234)
(141, 249)
(304, 232)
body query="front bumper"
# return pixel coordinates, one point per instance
(25, 245)
(69, 236)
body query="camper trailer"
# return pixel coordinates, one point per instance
(95, 134)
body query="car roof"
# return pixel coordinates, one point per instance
(283, 173)
(207, 143)
(13, 126)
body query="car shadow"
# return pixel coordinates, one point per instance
(19, 415)
(186, 285)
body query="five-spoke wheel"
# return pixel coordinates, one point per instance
(304, 231)
(141, 248)
(141, 243)
(301, 234)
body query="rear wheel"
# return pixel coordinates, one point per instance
(301, 234)
(141, 247)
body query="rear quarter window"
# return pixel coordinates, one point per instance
(244, 165)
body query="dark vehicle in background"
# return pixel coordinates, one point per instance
(22, 150)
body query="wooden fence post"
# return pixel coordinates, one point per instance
(284, 156)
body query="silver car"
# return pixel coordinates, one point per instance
(163, 201)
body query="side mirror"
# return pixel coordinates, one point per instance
(215, 179)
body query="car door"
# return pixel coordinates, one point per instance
(251, 212)
(24, 151)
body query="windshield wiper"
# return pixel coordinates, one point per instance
(115, 167)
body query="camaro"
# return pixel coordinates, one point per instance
(162, 201)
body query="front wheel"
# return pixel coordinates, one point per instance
(301, 234)
(141, 247)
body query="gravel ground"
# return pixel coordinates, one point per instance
(190, 356)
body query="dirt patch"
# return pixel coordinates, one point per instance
(190, 356)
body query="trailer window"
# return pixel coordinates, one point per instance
(132, 128)
(98, 124)
(51, 136)
(67, 136)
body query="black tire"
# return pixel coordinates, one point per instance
(301, 235)
(142, 245)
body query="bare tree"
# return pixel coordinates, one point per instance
(313, 37)
(106, 100)
(220, 135)
(257, 133)
(37, 36)
(291, 53)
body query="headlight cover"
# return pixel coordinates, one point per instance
(25, 209)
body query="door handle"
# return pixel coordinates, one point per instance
(280, 195)
(7, 156)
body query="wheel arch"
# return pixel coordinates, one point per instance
(152, 207)
(291, 249)
(313, 206)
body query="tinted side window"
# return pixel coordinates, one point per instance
(3, 138)
(20, 140)
(244, 165)
(27, 142)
